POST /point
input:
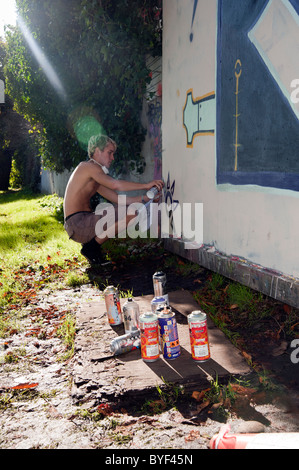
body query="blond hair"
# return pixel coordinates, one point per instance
(99, 141)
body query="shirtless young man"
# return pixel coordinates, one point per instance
(89, 178)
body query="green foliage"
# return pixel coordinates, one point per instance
(20, 167)
(15, 179)
(96, 50)
(54, 204)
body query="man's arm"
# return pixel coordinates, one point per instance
(112, 196)
(122, 185)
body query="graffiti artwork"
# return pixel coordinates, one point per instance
(257, 117)
(198, 116)
(170, 202)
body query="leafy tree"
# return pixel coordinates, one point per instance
(78, 68)
(17, 146)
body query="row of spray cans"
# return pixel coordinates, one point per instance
(156, 329)
(160, 329)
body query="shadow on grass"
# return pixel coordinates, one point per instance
(14, 195)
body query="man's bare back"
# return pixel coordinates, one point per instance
(80, 189)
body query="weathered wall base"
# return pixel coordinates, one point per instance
(272, 283)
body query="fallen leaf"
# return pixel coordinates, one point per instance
(23, 386)
(192, 436)
(198, 396)
(247, 356)
(105, 409)
(202, 406)
(217, 405)
(240, 390)
(232, 307)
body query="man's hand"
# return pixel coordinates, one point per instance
(157, 183)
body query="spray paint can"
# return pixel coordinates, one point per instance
(125, 343)
(152, 193)
(159, 283)
(149, 335)
(157, 303)
(130, 315)
(169, 337)
(113, 305)
(198, 330)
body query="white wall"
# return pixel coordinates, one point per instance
(54, 183)
(258, 223)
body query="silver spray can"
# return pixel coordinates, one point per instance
(158, 302)
(130, 315)
(125, 343)
(159, 282)
(152, 193)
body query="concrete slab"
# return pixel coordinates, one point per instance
(101, 376)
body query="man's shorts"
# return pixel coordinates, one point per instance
(81, 226)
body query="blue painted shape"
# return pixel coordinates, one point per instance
(198, 116)
(268, 130)
(193, 17)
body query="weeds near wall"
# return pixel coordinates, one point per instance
(246, 316)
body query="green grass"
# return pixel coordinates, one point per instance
(34, 246)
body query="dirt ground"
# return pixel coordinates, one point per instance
(37, 410)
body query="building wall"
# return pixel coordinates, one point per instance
(230, 124)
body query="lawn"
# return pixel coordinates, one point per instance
(34, 247)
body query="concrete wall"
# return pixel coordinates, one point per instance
(227, 74)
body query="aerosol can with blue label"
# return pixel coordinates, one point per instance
(169, 338)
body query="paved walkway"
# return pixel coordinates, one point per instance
(99, 376)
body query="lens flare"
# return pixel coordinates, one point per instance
(42, 59)
(83, 123)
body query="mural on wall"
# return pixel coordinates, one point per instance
(171, 203)
(198, 116)
(257, 117)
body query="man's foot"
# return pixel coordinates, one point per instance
(92, 252)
